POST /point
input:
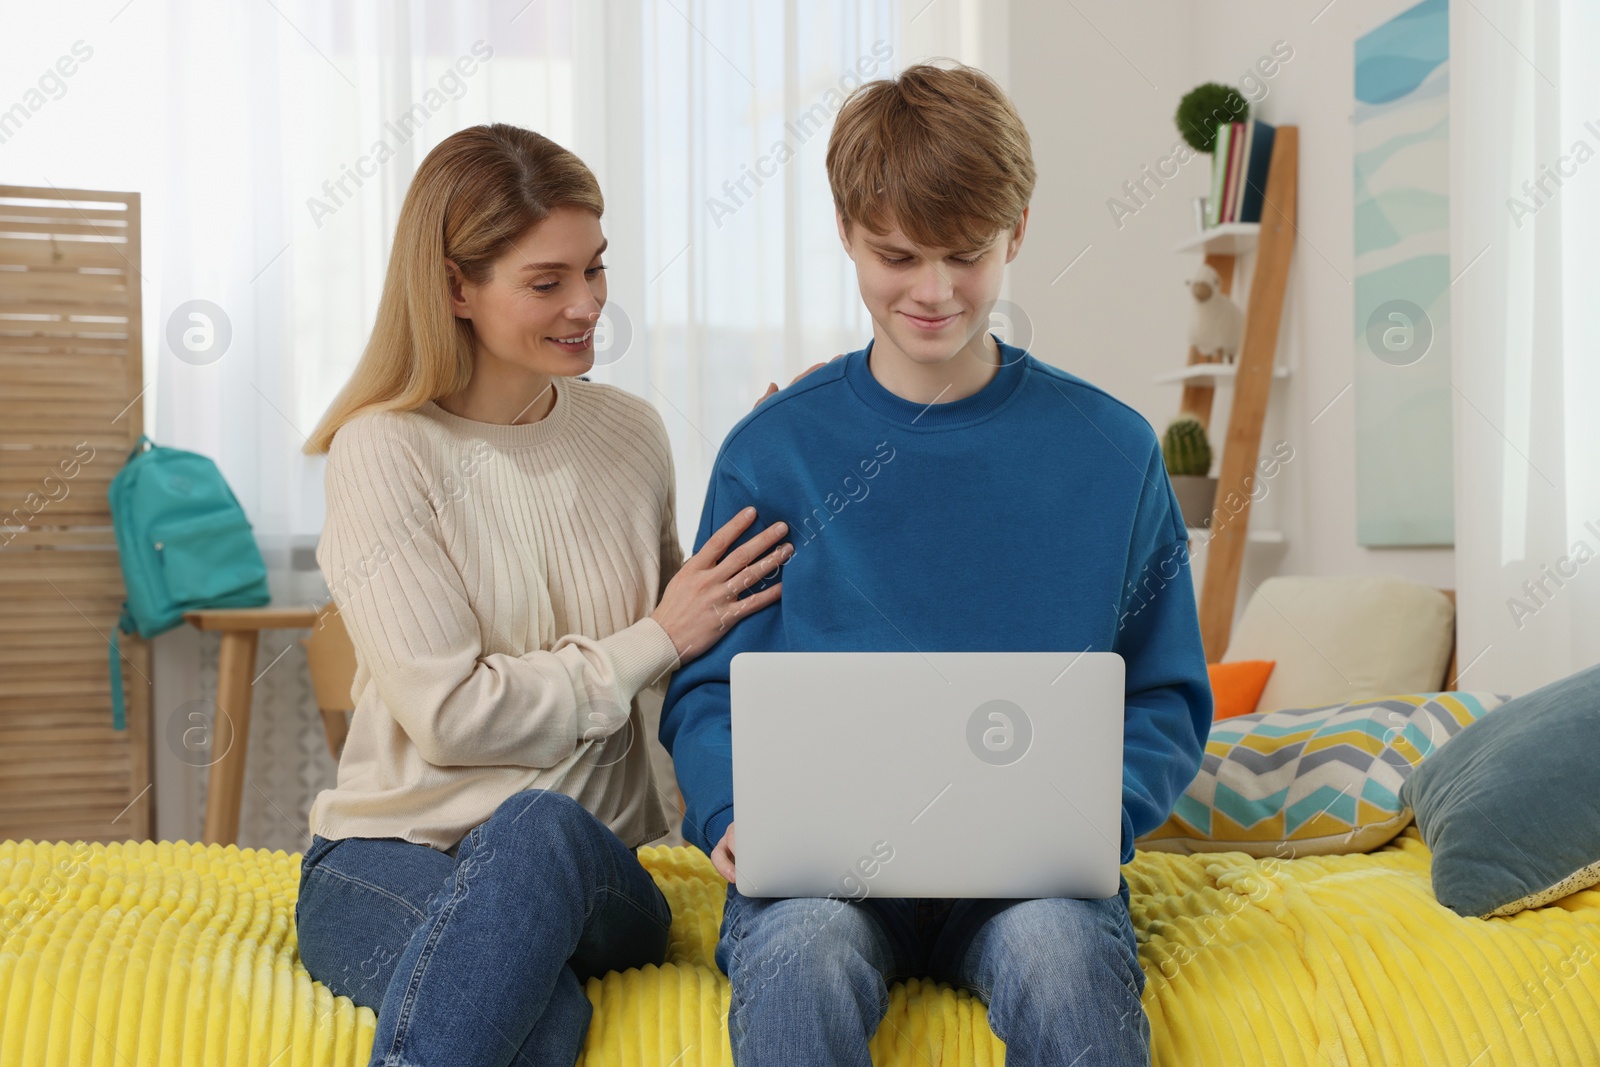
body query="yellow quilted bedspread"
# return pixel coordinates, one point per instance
(171, 953)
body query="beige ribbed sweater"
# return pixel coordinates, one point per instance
(497, 583)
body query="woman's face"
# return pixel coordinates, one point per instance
(539, 306)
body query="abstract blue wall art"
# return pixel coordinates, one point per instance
(1404, 494)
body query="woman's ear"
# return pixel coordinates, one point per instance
(458, 286)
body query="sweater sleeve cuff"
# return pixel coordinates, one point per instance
(641, 655)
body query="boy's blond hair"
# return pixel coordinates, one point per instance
(940, 151)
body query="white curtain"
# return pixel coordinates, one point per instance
(1526, 118)
(273, 144)
(706, 124)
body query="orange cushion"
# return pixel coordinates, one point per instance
(1236, 687)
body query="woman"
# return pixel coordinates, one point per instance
(502, 549)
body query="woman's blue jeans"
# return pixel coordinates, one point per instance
(810, 976)
(478, 959)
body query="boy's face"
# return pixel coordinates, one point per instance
(929, 303)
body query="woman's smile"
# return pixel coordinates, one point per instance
(578, 342)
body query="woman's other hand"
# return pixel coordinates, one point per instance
(773, 387)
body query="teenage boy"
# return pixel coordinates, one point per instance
(946, 491)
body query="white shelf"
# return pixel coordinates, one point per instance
(1209, 374)
(1202, 534)
(1229, 239)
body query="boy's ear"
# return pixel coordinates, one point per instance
(1014, 245)
(844, 236)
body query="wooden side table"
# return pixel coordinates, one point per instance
(236, 664)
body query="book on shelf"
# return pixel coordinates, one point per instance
(1219, 171)
(1224, 159)
(1259, 164)
(1240, 165)
(1235, 172)
(1245, 136)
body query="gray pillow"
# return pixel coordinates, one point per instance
(1511, 806)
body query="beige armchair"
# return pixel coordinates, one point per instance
(1346, 638)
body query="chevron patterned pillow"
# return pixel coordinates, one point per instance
(1312, 781)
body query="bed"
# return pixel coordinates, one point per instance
(173, 953)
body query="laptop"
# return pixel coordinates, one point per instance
(939, 774)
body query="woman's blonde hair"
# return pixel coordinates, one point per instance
(476, 193)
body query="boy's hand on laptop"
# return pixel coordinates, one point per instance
(773, 387)
(702, 601)
(722, 856)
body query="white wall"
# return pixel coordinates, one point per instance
(1097, 83)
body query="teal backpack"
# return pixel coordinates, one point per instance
(184, 542)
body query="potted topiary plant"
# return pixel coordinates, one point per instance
(1203, 108)
(1187, 453)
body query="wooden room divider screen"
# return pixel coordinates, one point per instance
(71, 377)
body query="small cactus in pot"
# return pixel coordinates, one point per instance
(1186, 451)
(1185, 447)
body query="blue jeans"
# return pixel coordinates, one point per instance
(810, 976)
(478, 959)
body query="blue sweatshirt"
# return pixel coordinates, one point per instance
(1033, 516)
